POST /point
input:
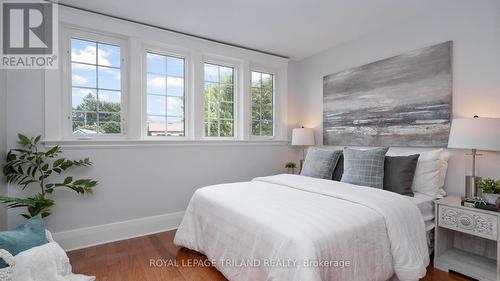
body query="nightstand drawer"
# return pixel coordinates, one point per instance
(471, 222)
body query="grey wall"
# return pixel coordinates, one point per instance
(135, 182)
(474, 27)
(3, 143)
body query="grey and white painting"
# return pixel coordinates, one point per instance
(404, 100)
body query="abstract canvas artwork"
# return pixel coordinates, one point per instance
(404, 100)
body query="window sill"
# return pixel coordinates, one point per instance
(158, 143)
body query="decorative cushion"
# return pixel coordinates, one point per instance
(399, 172)
(320, 163)
(430, 172)
(339, 169)
(25, 236)
(364, 167)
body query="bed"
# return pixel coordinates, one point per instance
(291, 227)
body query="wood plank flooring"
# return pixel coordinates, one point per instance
(129, 260)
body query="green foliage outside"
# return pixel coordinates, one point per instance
(219, 108)
(85, 116)
(262, 106)
(29, 167)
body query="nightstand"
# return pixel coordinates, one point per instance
(466, 240)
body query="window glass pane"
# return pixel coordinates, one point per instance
(157, 105)
(256, 79)
(84, 99)
(156, 125)
(84, 122)
(156, 64)
(267, 128)
(219, 100)
(226, 92)
(175, 86)
(267, 112)
(165, 79)
(110, 101)
(226, 128)
(262, 104)
(175, 106)
(267, 81)
(156, 84)
(226, 110)
(175, 67)
(109, 78)
(83, 51)
(83, 75)
(211, 73)
(96, 84)
(256, 128)
(175, 126)
(226, 75)
(108, 55)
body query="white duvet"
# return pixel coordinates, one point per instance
(290, 227)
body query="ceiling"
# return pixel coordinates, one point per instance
(290, 28)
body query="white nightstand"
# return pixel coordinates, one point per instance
(466, 240)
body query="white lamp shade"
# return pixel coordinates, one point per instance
(302, 136)
(475, 133)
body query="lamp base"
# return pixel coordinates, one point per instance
(470, 187)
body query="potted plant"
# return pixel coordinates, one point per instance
(490, 188)
(29, 165)
(291, 167)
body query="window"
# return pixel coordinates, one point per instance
(95, 88)
(165, 95)
(262, 104)
(219, 101)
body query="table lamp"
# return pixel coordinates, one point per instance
(303, 137)
(475, 134)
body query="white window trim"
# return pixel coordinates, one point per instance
(69, 32)
(237, 95)
(261, 70)
(188, 93)
(134, 38)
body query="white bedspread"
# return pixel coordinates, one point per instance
(290, 227)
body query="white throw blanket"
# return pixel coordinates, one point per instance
(48, 262)
(294, 218)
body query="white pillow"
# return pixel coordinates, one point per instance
(430, 172)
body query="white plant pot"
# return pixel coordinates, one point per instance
(490, 198)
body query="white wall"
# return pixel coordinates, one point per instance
(140, 180)
(3, 145)
(474, 27)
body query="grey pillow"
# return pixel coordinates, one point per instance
(339, 169)
(364, 167)
(320, 163)
(399, 173)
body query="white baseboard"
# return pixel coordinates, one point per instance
(99, 234)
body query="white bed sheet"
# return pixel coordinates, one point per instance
(425, 205)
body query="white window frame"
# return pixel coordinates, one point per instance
(66, 93)
(278, 102)
(264, 71)
(156, 49)
(236, 65)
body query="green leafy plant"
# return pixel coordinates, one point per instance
(489, 186)
(290, 165)
(28, 166)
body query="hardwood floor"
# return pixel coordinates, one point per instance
(129, 260)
